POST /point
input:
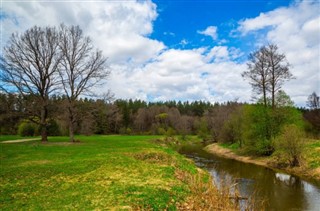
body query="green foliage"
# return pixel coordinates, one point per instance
(256, 129)
(233, 128)
(125, 131)
(203, 130)
(262, 124)
(27, 128)
(290, 145)
(170, 132)
(161, 131)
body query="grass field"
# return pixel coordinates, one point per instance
(105, 172)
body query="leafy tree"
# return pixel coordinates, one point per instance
(283, 100)
(29, 66)
(256, 129)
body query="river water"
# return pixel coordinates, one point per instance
(280, 191)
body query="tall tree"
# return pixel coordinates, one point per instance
(29, 67)
(267, 71)
(278, 69)
(81, 67)
(258, 72)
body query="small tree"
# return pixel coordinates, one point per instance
(290, 144)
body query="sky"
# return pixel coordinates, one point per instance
(184, 49)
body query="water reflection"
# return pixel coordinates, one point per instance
(282, 191)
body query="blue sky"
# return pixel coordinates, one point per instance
(180, 20)
(186, 49)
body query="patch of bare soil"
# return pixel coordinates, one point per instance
(227, 153)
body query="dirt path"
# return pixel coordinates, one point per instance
(19, 140)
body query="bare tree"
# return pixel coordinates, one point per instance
(81, 67)
(29, 66)
(258, 72)
(278, 69)
(313, 101)
(268, 70)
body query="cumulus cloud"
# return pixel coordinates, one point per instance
(146, 69)
(187, 75)
(296, 30)
(119, 28)
(210, 31)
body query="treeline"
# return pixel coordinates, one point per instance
(226, 122)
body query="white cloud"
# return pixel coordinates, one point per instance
(210, 31)
(145, 68)
(119, 28)
(296, 30)
(179, 74)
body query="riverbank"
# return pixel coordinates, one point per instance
(304, 172)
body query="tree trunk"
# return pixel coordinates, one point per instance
(273, 96)
(43, 124)
(71, 123)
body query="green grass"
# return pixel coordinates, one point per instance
(312, 153)
(233, 147)
(104, 172)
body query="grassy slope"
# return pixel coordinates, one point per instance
(106, 172)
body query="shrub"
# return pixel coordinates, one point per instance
(161, 131)
(170, 132)
(125, 131)
(289, 145)
(27, 128)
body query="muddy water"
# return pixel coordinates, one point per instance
(280, 191)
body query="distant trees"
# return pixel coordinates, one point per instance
(313, 115)
(313, 101)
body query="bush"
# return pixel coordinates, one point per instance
(27, 128)
(125, 131)
(170, 132)
(289, 145)
(161, 131)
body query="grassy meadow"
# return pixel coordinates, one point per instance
(100, 172)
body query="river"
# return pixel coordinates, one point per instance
(280, 191)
